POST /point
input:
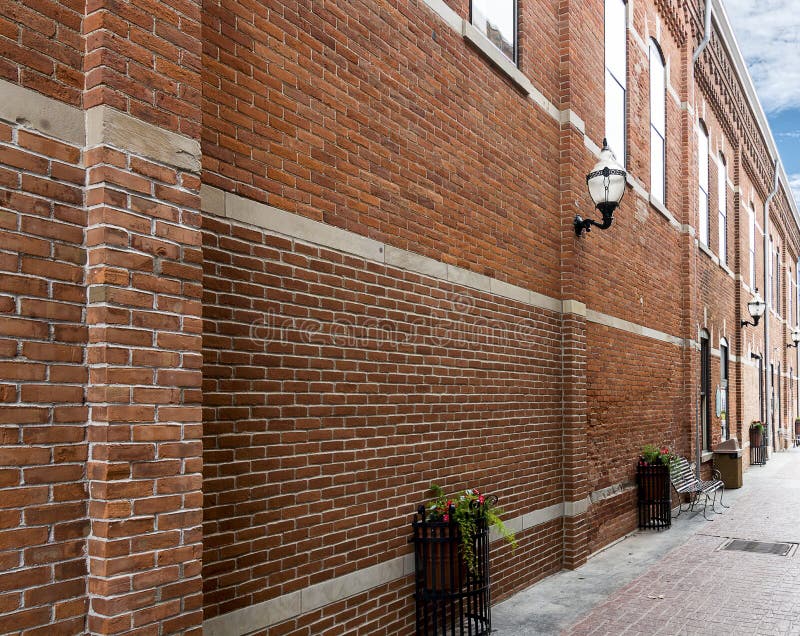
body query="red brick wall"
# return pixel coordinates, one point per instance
(613, 518)
(406, 142)
(635, 397)
(42, 384)
(380, 119)
(321, 441)
(41, 47)
(387, 609)
(143, 58)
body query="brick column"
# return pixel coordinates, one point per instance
(576, 483)
(144, 318)
(574, 163)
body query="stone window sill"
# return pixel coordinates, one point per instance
(482, 43)
(704, 248)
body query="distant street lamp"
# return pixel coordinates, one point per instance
(795, 338)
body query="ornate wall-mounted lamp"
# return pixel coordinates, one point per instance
(756, 307)
(606, 184)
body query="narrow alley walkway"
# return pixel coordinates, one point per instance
(681, 581)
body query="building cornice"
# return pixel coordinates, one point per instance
(725, 30)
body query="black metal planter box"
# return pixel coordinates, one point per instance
(655, 503)
(450, 598)
(758, 449)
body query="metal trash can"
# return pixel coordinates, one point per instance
(728, 461)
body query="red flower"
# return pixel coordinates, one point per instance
(446, 518)
(665, 450)
(481, 499)
(475, 491)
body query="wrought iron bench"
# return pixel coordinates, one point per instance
(685, 482)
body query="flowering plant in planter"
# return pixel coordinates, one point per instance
(653, 455)
(468, 509)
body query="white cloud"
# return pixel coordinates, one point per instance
(768, 32)
(794, 184)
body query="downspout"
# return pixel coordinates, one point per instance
(706, 38)
(768, 301)
(699, 426)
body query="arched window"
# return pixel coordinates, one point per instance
(722, 190)
(702, 168)
(616, 48)
(658, 122)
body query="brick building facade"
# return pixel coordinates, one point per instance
(270, 269)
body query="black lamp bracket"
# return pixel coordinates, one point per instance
(606, 209)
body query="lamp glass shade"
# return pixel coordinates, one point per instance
(796, 335)
(756, 306)
(606, 181)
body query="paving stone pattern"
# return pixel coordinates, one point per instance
(680, 582)
(697, 589)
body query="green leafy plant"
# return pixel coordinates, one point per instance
(757, 426)
(653, 455)
(469, 509)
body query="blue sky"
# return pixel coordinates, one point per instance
(768, 32)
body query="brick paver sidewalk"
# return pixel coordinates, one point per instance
(697, 589)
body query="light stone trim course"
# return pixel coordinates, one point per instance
(630, 327)
(43, 114)
(232, 206)
(101, 125)
(574, 307)
(106, 126)
(238, 208)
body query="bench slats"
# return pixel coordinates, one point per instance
(685, 481)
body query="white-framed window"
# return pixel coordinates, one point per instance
(658, 122)
(769, 265)
(778, 281)
(789, 296)
(497, 20)
(702, 159)
(752, 214)
(722, 198)
(616, 57)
